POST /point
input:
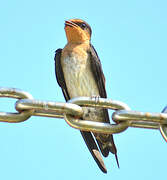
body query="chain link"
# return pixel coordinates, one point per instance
(18, 116)
(72, 112)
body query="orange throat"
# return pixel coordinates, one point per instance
(76, 35)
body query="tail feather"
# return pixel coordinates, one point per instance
(116, 157)
(89, 140)
(103, 150)
(106, 145)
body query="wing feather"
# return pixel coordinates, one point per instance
(87, 136)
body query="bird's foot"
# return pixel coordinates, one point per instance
(96, 97)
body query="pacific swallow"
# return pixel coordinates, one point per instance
(79, 73)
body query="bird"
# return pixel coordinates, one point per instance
(79, 73)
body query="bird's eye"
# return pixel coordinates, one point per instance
(83, 25)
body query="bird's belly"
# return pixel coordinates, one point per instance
(80, 82)
(79, 78)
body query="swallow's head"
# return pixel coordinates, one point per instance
(77, 31)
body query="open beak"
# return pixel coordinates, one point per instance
(70, 23)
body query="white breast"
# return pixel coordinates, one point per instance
(78, 77)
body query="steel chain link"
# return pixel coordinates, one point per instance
(72, 112)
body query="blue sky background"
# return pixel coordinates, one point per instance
(130, 38)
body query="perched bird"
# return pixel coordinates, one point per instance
(79, 73)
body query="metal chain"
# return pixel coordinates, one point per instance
(72, 112)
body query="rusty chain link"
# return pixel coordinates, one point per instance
(72, 112)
